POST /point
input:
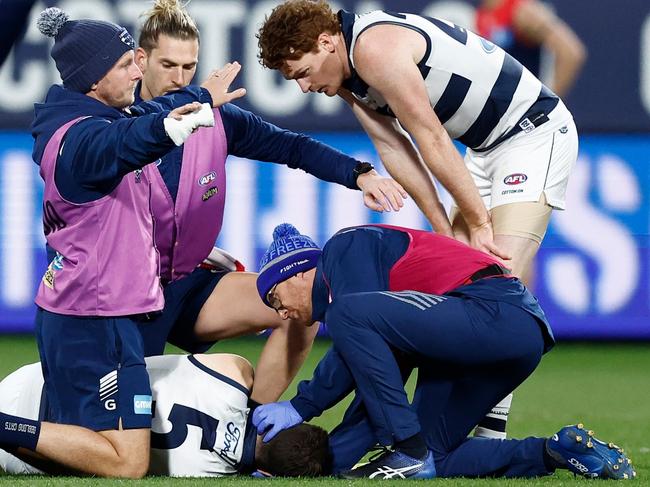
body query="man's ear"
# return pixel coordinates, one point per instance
(141, 58)
(326, 42)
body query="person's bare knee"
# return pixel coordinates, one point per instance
(133, 450)
(233, 366)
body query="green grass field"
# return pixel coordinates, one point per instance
(605, 386)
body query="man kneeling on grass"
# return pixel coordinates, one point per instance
(396, 299)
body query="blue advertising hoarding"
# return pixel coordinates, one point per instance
(612, 94)
(593, 271)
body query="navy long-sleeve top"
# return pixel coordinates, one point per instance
(110, 143)
(250, 137)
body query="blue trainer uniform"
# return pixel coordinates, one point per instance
(86, 324)
(395, 299)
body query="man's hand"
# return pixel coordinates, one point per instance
(380, 193)
(270, 419)
(218, 84)
(482, 238)
(182, 121)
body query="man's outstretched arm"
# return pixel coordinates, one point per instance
(283, 355)
(386, 58)
(402, 161)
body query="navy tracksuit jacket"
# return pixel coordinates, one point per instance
(395, 299)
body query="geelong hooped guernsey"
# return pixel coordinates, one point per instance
(481, 94)
(200, 426)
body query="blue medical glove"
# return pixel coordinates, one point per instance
(270, 419)
(261, 475)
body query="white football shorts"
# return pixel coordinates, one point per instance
(528, 164)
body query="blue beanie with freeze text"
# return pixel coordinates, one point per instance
(84, 50)
(289, 253)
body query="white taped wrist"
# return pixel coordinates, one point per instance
(180, 130)
(204, 117)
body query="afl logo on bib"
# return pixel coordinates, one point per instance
(517, 178)
(207, 178)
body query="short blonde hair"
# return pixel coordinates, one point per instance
(166, 17)
(292, 30)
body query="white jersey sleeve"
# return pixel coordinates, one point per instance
(199, 420)
(20, 395)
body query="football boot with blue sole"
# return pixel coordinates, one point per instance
(583, 454)
(394, 465)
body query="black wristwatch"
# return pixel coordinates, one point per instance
(362, 168)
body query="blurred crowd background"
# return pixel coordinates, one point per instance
(593, 270)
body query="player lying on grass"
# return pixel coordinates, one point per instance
(201, 422)
(201, 427)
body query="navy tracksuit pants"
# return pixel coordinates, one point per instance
(470, 352)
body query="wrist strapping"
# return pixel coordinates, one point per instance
(180, 130)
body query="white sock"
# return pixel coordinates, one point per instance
(494, 423)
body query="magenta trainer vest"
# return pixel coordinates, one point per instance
(186, 233)
(106, 263)
(435, 264)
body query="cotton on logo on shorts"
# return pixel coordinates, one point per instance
(108, 388)
(516, 178)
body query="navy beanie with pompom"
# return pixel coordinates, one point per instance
(84, 50)
(289, 253)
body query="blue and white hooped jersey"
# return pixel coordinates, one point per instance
(200, 425)
(481, 94)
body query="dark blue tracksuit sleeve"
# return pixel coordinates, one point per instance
(352, 262)
(14, 15)
(332, 381)
(252, 138)
(97, 153)
(171, 100)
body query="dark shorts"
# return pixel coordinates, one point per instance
(183, 302)
(94, 371)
